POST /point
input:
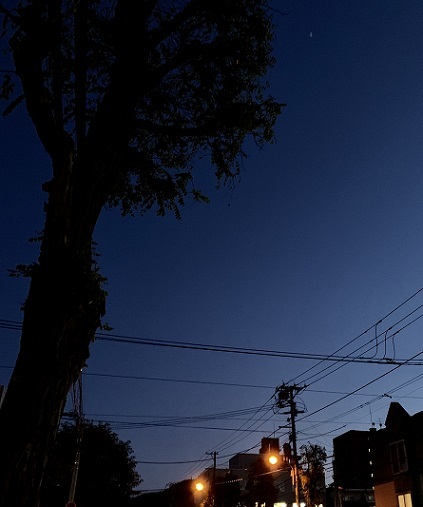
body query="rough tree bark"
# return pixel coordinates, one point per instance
(62, 312)
(65, 301)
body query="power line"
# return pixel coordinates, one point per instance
(383, 360)
(251, 351)
(223, 384)
(184, 381)
(210, 417)
(171, 462)
(363, 386)
(13, 325)
(118, 338)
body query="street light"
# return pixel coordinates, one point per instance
(199, 489)
(199, 486)
(273, 459)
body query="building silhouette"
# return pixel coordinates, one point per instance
(381, 468)
(398, 459)
(352, 470)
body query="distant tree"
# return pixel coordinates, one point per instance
(312, 473)
(107, 472)
(125, 96)
(260, 488)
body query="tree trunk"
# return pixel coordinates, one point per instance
(61, 314)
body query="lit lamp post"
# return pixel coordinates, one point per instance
(198, 490)
(199, 486)
(273, 459)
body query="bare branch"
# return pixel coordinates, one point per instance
(176, 130)
(6, 12)
(189, 12)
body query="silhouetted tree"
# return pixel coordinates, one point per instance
(260, 488)
(125, 97)
(312, 473)
(107, 472)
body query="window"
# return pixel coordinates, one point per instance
(405, 500)
(398, 457)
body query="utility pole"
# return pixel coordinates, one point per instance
(79, 420)
(213, 484)
(285, 398)
(293, 412)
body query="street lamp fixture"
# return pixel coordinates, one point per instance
(199, 486)
(273, 459)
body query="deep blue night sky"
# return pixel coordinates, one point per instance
(321, 238)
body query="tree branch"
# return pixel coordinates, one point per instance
(38, 98)
(80, 34)
(175, 130)
(187, 54)
(6, 12)
(193, 8)
(29, 50)
(55, 20)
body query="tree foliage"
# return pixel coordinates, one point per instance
(107, 473)
(312, 472)
(126, 97)
(144, 88)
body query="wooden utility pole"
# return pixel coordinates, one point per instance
(79, 424)
(213, 483)
(285, 398)
(293, 413)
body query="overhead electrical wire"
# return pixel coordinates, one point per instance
(173, 380)
(358, 389)
(355, 391)
(118, 338)
(375, 346)
(230, 415)
(211, 383)
(241, 350)
(252, 351)
(362, 387)
(339, 416)
(384, 360)
(391, 312)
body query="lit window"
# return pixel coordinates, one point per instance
(405, 500)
